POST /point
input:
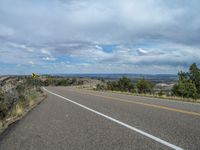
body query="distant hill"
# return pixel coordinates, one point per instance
(155, 78)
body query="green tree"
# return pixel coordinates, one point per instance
(125, 84)
(100, 87)
(144, 86)
(109, 85)
(194, 73)
(186, 89)
(188, 85)
(112, 85)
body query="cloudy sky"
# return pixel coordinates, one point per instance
(98, 36)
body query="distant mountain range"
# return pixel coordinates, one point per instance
(156, 78)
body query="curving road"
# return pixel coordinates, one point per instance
(72, 118)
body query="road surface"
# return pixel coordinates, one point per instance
(78, 119)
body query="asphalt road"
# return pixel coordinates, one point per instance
(76, 119)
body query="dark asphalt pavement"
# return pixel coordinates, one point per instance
(57, 124)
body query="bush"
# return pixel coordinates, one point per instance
(144, 86)
(100, 87)
(186, 89)
(3, 107)
(160, 93)
(188, 85)
(112, 86)
(124, 84)
(18, 97)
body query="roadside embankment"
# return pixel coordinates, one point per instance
(18, 95)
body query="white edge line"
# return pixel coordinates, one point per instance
(121, 123)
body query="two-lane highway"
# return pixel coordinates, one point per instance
(72, 118)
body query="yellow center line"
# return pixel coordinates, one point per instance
(145, 104)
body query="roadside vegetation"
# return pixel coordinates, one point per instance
(188, 85)
(20, 94)
(54, 81)
(60, 81)
(17, 96)
(125, 84)
(186, 89)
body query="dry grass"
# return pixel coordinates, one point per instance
(31, 97)
(18, 110)
(161, 97)
(175, 98)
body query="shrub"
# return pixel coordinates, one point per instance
(100, 87)
(188, 85)
(123, 84)
(3, 107)
(160, 93)
(144, 86)
(186, 89)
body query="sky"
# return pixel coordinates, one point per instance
(98, 36)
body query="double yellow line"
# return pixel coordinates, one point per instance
(145, 104)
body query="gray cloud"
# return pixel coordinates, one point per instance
(102, 21)
(42, 31)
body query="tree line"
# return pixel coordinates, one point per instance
(125, 84)
(187, 86)
(53, 81)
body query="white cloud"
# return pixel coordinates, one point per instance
(102, 21)
(31, 62)
(49, 58)
(155, 33)
(45, 51)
